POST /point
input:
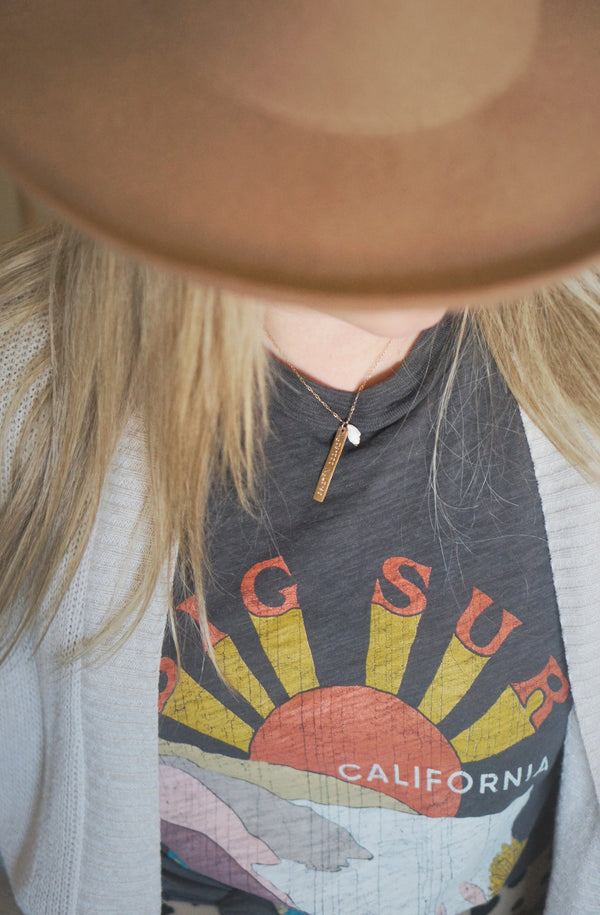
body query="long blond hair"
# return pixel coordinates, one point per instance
(120, 339)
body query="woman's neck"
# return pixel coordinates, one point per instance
(338, 352)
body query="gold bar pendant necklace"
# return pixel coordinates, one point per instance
(337, 446)
(346, 430)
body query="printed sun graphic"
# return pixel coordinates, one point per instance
(322, 796)
(359, 733)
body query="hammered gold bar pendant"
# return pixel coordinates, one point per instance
(337, 446)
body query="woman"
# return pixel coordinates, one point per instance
(378, 670)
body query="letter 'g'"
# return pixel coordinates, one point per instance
(249, 596)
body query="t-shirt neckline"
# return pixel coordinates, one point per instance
(378, 405)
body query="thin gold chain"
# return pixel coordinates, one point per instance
(359, 390)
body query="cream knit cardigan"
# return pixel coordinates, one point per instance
(79, 822)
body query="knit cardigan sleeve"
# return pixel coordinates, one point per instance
(79, 822)
(572, 516)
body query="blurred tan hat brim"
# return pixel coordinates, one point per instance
(341, 151)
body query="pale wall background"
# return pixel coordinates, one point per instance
(17, 211)
(11, 210)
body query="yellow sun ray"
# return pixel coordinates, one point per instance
(503, 725)
(194, 706)
(460, 667)
(390, 641)
(237, 673)
(284, 640)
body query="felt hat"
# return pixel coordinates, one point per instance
(335, 151)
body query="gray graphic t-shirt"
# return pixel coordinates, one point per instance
(388, 736)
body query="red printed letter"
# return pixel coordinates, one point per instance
(480, 602)
(253, 605)
(391, 570)
(525, 689)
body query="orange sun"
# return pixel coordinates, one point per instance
(361, 726)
